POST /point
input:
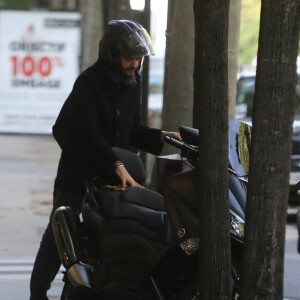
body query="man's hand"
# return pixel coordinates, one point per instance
(174, 135)
(126, 180)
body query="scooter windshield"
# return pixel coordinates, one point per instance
(239, 147)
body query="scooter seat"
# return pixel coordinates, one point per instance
(138, 211)
(134, 204)
(144, 197)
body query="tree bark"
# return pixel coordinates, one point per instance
(178, 88)
(211, 117)
(56, 4)
(273, 112)
(178, 100)
(92, 30)
(170, 17)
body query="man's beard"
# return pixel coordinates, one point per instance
(122, 79)
(130, 72)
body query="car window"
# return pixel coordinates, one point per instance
(245, 95)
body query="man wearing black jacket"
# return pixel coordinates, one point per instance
(102, 110)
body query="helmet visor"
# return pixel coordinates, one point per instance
(139, 43)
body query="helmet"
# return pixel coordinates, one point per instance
(124, 37)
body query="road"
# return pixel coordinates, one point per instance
(27, 171)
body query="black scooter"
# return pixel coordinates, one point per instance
(122, 246)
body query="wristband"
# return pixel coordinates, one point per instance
(117, 164)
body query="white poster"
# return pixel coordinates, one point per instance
(39, 62)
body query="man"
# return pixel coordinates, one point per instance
(102, 110)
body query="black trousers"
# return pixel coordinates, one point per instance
(47, 262)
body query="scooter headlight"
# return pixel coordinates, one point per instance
(237, 225)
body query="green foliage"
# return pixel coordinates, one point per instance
(250, 15)
(18, 3)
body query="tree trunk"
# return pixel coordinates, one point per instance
(178, 88)
(56, 4)
(233, 53)
(211, 117)
(170, 18)
(92, 30)
(273, 113)
(179, 94)
(178, 101)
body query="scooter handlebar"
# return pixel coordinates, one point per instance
(174, 142)
(191, 153)
(188, 151)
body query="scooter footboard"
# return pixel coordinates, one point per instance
(68, 238)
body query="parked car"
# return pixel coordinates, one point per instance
(244, 107)
(245, 94)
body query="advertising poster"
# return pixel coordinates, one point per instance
(39, 63)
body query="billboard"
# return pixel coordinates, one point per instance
(39, 62)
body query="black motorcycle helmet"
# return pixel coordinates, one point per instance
(127, 38)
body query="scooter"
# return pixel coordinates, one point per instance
(122, 245)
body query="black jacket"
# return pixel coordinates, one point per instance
(103, 110)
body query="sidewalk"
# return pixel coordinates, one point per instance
(28, 167)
